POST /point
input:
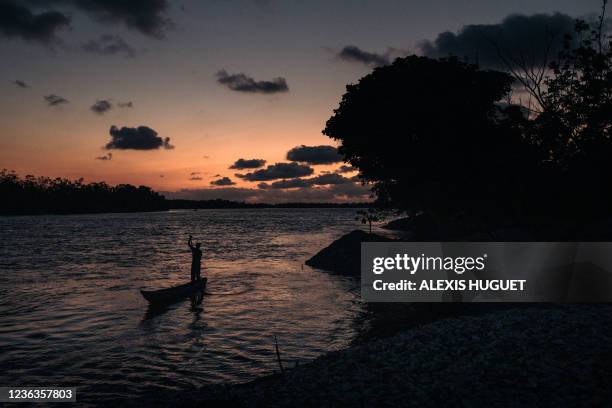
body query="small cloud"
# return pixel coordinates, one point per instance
(195, 178)
(194, 173)
(55, 100)
(243, 83)
(101, 106)
(353, 53)
(161, 176)
(109, 45)
(241, 164)
(21, 84)
(291, 183)
(329, 179)
(224, 181)
(314, 154)
(278, 171)
(345, 169)
(206, 157)
(128, 104)
(106, 157)
(136, 138)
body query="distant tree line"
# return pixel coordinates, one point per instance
(445, 137)
(44, 195)
(220, 204)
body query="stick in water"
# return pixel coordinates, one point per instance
(278, 357)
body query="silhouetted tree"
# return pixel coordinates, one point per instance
(430, 135)
(575, 126)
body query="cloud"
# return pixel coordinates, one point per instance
(349, 192)
(145, 16)
(223, 181)
(243, 83)
(108, 44)
(327, 179)
(106, 157)
(284, 184)
(195, 178)
(352, 53)
(21, 84)
(248, 164)
(278, 171)
(128, 104)
(194, 173)
(314, 154)
(55, 100)
(345, 169)
(136, 138)
(516, 34)
(17, 20)
(320, 180)
(101, 106)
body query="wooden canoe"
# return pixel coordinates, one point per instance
(173, 294)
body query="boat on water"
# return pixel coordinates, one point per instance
(175, 293)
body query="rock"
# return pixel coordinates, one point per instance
(343, 256)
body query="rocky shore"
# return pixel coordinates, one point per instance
(553, 356)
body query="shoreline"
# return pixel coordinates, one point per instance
(466, 358)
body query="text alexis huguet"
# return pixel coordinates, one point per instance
(456, 265)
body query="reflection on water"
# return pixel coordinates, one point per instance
(72, 313)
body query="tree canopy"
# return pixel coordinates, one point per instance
(43, 195)
(443, 136)
(430, 134)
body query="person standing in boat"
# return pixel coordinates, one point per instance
(196, 259)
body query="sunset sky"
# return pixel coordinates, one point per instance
(222, 79)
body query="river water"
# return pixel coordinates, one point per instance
(71, 313)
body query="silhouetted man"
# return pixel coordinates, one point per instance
(196, 259)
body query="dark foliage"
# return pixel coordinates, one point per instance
(436, 136)
(43, 195)
(428, 134)
(575, 127)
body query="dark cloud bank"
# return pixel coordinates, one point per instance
(516, 34)
(18, 21)
(243, 83)
(241, 164)
(40, 20)
(348, 192)
(136, 138)
(278, 171)
(314, 154)
(321, 180)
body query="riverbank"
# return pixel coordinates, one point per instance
(520, 357)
